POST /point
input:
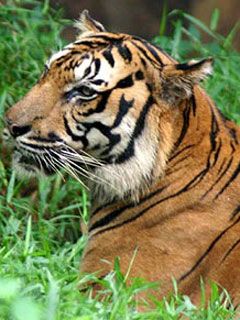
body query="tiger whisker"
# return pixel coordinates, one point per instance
(76, 156)
(76, 168)
(51, 159)
(82, 171)
(70, 170)
(38, 160)
(84, 159)
(89, 156)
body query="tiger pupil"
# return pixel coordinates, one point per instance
(86, 91)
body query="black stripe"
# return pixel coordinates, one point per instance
(144, 52)
(86, 72)
(211, 246)
(139, 75)
(67, 57)
(116, 213)
(194, 104)
(233, 134)
(69, 131)
(226, 168)
(219, 178)
(181, 160)
(34, 146)
(214, 130)
(222, 115)
(113, 215)
(233, 177)
(189, 66)
(186, 116)
(216, 155)
(235, 212)
(222, 165)
(109, 57)
(101, 104)
(105, 130)
(91, 43)
(98, 82)
(74, 136)
(230, 250)
(125, 83)
(124, 52)
(104, 206)
(52, 138)
(181, 151)
(143, 61)
(191, 184)
(97, 63)
(124, 106)
(76, 119)
(139, 127)
(107, 219)
(107, 38)
(72, 65)
(153, 51)
(212, 137)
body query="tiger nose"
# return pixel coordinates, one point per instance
(17, 130)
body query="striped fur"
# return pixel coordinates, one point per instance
(161, 162)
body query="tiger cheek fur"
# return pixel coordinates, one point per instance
(161, 162)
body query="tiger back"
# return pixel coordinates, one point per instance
(160, 161)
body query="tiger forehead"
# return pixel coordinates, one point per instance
(80, 61)
(87, 44)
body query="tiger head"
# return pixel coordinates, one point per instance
(104, 108)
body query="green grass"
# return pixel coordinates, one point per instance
(41, 241)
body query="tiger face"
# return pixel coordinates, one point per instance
(103, 109)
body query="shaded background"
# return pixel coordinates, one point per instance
(142, 17)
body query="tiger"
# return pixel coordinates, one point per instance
(160, 160)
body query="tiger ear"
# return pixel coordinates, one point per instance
(178, 79)
(85, 24)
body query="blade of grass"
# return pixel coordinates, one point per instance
(28, 236)
(163, 20)
(214, 19)
(10, 189)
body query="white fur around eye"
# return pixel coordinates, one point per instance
(79, 70)
(105, 71)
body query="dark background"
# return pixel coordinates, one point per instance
(142, 17)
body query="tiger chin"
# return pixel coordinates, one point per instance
(161, 162)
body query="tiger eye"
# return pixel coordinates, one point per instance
(86, 91)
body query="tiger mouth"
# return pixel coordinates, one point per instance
(31, 163)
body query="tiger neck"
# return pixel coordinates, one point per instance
(194, 134)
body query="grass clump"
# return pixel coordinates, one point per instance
(41, 241)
